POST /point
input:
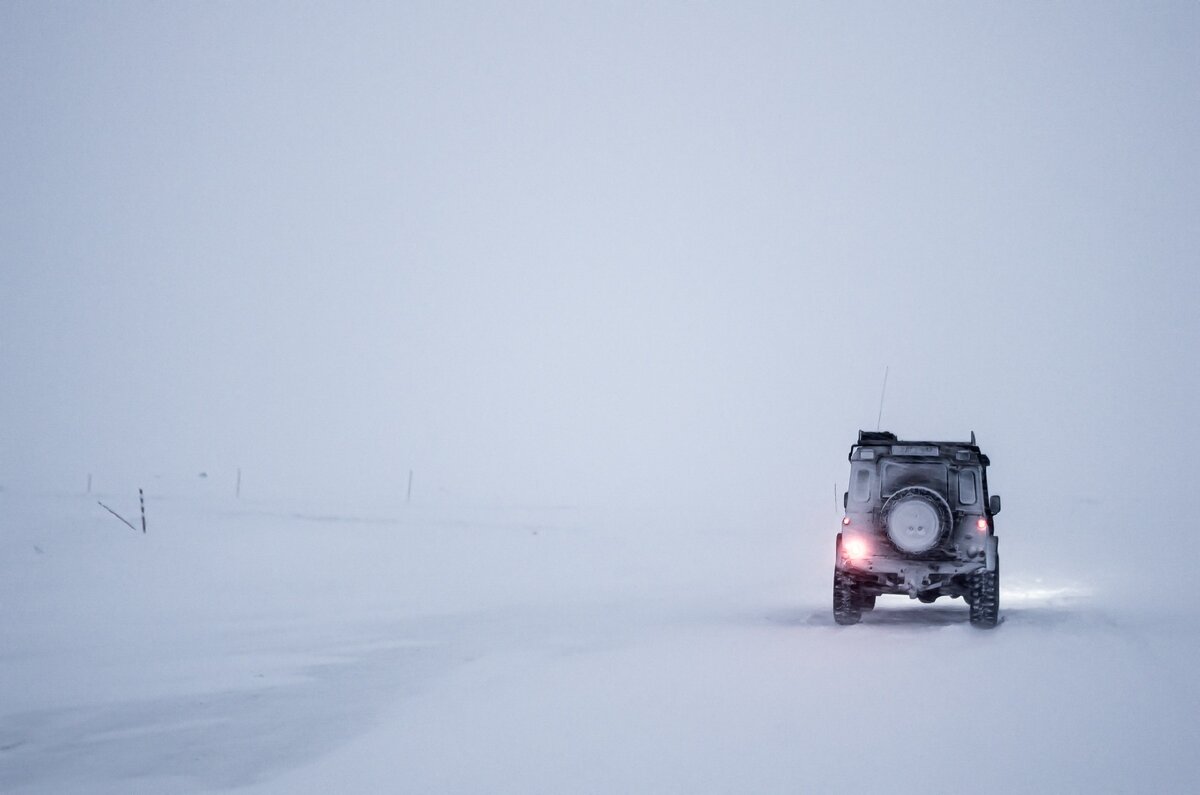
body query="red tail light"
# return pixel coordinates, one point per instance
(982, 525)
(845, 520)
(855, 548)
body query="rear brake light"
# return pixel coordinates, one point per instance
(855, 548)
(845, 520)
(982, 525)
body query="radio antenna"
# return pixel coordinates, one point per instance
(882, 392)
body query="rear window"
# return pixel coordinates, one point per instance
(968, 487)
(898, 475)
(860, 484)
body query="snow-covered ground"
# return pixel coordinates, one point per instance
(272, 648)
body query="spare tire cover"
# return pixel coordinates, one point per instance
(916, 519)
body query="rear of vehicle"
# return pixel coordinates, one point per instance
(919, 521)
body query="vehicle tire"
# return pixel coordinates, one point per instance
(867, 602)
(847, 602)
(985, 598)
(916, 519)
(927, 598)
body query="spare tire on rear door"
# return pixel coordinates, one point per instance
(916, 519)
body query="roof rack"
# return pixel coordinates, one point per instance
(887, 437)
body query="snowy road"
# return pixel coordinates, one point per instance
(284, 651)
(1063, 699)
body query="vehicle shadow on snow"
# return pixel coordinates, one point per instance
(919, 616)
(916, 615)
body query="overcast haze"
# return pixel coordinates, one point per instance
(619, 284)
(564, 253)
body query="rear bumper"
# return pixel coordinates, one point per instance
(906, 576)
(878, 565)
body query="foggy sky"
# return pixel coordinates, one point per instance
(558, 253)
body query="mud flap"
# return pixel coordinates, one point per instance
(992, 554)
